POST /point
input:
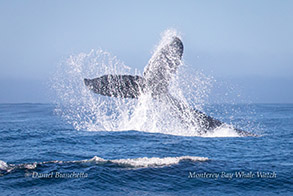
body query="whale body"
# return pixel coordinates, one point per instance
(156, 78)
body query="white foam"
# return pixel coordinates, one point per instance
(10, 167)
(156, 162)
(30, 166)
(3, 165)
(222, 131)
(148, 162)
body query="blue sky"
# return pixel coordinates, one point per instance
(248, 43)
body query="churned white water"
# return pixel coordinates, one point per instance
(86, 110)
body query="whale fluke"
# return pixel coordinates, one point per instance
(122, 86)
(156, 76)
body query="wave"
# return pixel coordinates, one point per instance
(148, 162)
(143, 162)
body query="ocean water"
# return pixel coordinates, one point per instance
(42, 154)
(85, 143)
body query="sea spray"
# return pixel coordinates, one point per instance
(88, 111)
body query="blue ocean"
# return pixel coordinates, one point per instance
(41, 154)
(110, 130)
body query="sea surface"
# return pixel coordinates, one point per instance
(43, 154)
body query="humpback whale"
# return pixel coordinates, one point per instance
(155, 80)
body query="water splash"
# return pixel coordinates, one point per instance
(88, 111)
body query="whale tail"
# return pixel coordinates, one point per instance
(122, 86)
(156, 76)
